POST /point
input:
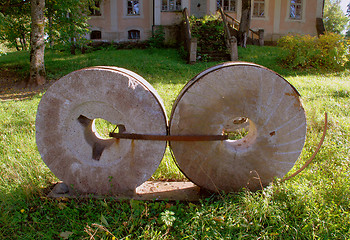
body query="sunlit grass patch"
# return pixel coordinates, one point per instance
(314, 204)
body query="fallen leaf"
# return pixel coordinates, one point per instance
(66, 234)
(104, 221)
(218, 219)
(61, 205)
(168, 205)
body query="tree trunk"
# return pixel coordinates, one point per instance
(72, 46)
(245, 23)
(37, 44)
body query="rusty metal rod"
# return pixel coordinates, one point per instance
(315, 153)
(168, 137)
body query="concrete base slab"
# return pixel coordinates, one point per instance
(148, 191)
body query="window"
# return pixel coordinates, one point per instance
(95, 34)
(133, 7)
(95, 8)
(295, 9)
(259, 8)
(227, 5)
(171, 5)
(133, 34)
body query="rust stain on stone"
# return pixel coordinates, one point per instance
(132, 147)
(298, 104)
(294, 94)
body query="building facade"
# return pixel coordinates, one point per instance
(132, 20)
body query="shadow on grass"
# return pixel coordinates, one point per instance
(341, 94)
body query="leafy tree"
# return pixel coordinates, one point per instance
(15, 23)
(334, 19)
(67, 21)
(67, 24)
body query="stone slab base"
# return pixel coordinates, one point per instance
(148, 191)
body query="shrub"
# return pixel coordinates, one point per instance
(158, 38)
(334, 50)
(209, 32)
(329, 51)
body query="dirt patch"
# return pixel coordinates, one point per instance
(14, 87)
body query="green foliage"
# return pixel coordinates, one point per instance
(15, 26)
(67, 22)
(167, 218)
(209, 32)
(334, 19)
(329, 51)
(3, 49)
(313, 205)
(157, 39)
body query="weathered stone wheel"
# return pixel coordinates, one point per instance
(72, 149)
(220, 99)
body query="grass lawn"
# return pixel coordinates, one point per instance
(313, 205)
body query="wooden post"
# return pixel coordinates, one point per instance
(187, 30)
(227, 30)
(190, 43)
(261, 37)
(233, 49)
(193, 51)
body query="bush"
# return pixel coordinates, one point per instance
(209, 32)
(158, 38)
(329, 51)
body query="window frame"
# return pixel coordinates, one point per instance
(133, 7)
(259, 3)
(166, 7)
(227, 8)
(134, 31)
(94, 12)
(95, 35)
(296, 4)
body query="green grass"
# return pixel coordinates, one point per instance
(313, 205)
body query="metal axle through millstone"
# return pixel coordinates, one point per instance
(209, 106)
(168, 138)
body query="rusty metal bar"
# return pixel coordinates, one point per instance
(315, 153)
(186, 138)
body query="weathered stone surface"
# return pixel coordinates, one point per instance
(69, 145)
(214, 102)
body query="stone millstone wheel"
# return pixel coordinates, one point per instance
(76, 154)
(224, 99)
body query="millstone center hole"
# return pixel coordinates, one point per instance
(103, 128)
(237, 128)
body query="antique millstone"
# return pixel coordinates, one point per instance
(73, 150)
(221, 99)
